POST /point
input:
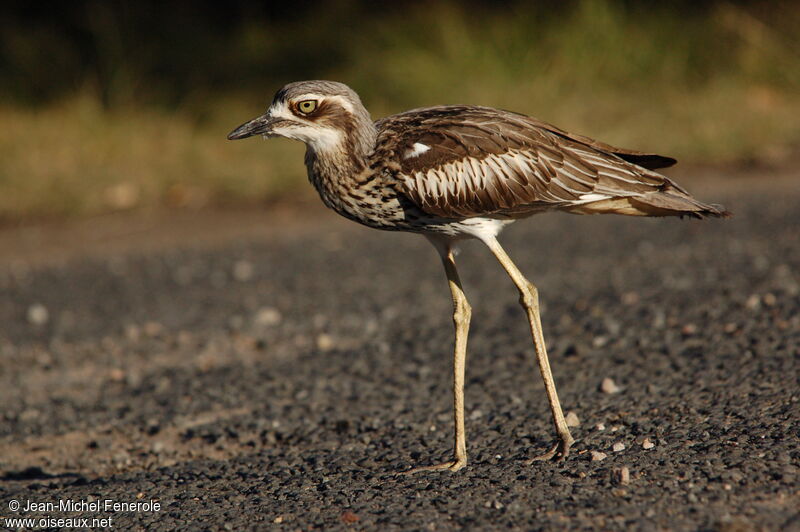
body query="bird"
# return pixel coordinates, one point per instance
(459, 172)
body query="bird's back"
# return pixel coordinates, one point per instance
(467, 161)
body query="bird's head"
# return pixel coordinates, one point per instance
(323, 114)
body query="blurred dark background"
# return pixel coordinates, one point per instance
(118, 105)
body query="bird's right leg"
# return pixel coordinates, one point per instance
(529, 299)
(462, 312)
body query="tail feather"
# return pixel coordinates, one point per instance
(670, 203)
(663, 203)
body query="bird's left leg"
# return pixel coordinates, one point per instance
(462, 312)
(529, 299)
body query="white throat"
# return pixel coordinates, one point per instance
(324, 140)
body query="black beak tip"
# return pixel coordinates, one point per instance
(256, 126)
(237, 134)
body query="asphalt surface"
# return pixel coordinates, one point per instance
(281, 379)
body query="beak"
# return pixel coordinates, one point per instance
(257, 126)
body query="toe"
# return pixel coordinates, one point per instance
(453, 466)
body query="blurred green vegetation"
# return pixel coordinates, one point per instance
(111, 106)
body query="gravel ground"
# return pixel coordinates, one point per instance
(282, 379)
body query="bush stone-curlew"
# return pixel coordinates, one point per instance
(457, 172)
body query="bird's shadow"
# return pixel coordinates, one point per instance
(37, 473)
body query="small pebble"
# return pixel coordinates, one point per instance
(753, 302)
(622, 475)
(599, 341)
(301, 395)
(325, 342)
(647, 444)
(243, 270)
(600, 426)
(38, 314)
(267, 317)
(133, 332)
(617, 447)
(597, 456)
(184, 338)
(572, 419)
(630, 298)
(609, 386)
(122, 195)
(349, 517)
(278, 519)
(152, 328)
(689, 329)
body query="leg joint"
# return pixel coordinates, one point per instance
(462, 311)
(529, 295)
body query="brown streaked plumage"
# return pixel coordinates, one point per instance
(484, 161)
(455, 172)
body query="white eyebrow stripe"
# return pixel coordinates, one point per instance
(281, 111)
(319, 97)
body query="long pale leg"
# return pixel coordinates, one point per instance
(462, 312)
(529, 299)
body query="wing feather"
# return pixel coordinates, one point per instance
(483, 161)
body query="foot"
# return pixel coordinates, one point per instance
(453, 465)
(559, 452)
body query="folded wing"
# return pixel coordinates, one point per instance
(460, 161)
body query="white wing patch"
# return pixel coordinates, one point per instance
(416, 150)
(594, 197)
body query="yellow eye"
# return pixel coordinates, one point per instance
(307, 106)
